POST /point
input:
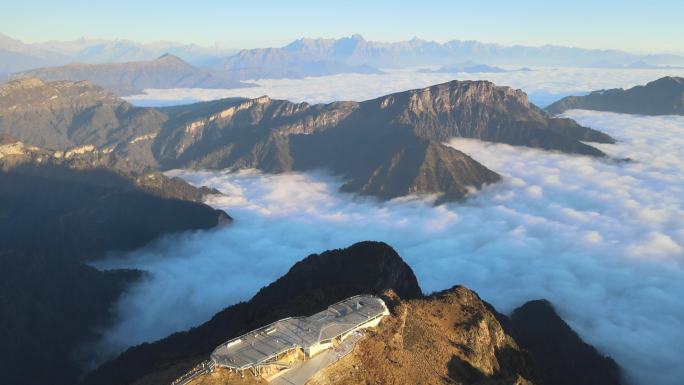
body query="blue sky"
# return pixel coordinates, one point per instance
(639, 26)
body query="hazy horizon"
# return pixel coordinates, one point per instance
(239, 26)
(225, 45)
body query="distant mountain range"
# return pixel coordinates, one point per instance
(386, 147)
(18, 56)
(355, 51)
(272, 64)
(470, 67)
(317, 57)
(167, 71)
(664, 96)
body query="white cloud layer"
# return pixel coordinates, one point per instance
(544, 85)
(603, 240)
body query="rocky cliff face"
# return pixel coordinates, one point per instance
(386, 147)
(167, 71)
(482, 110)
(664, 96)
(17, 156)
(63, 114)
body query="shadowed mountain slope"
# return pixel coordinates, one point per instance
(54, 216)
(50, 305)
(85, 213)
(386, 147)
(664, 96)
(560, 355)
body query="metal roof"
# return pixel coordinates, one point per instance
(263, 344)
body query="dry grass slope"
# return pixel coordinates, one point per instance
(448, 338)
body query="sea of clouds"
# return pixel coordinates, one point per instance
(603, 240)
(544, 85)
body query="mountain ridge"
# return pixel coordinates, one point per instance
(387, 147)
(317, 56)
(127, 78)
(355, 50)
(664, 96)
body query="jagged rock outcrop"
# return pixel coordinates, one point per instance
(664, 96)
(167, 71)
(386, 147)
(479, 110)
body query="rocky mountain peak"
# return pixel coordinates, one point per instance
(168, 58)
(464, 94)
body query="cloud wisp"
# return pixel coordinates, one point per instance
(603, 240)
(544, 85)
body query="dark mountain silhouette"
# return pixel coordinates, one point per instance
(664, 96)
(85, 213)
(560, 355)
(50, 305)
(52, 219)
